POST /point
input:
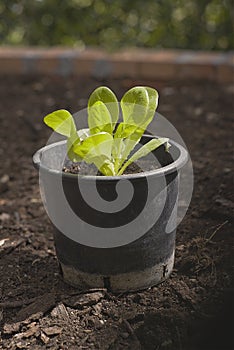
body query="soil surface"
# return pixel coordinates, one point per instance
(82, 168)
(193, 309)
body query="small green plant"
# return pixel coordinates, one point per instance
(105, 143)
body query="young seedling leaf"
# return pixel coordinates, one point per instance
(62, 122)
(107, 168)
(97, 149)
(106, 96)
(143, 151)
(134, 106)
(71, 142)
(129, 143)
(152, 106)
(138, 106)
(125, 130)
(99, 118)
(117, 152)
(98, 145)
(102, 143)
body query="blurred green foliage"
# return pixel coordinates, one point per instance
(113, 24)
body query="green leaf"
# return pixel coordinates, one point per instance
(62, 122)
(97, 144)
(138, 106)
(71, 141)
(144, 150)
(99, 118)
(128, 136)
(96, 149)
(125, 130)
(127, 145)
(117, 152)
(134, 105)
(107, 168)
(106, 96)
(152, 106)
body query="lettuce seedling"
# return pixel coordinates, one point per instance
(106, 143)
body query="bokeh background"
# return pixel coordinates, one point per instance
(199, 24)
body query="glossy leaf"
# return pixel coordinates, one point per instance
(107, 168)
(124, 130)
(138, 106)
(105, 95)
(71, 142)
(134, 105)
(99, 118)
(152, 106)
(95, 149)
(102, 143)
(144, 150)
(61, 121)
(118, 148)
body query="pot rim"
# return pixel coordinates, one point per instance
(165, 170)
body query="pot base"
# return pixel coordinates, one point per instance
(125, 282)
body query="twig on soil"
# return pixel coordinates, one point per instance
(82, 292)
(216, 230)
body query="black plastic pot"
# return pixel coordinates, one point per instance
(139, 260)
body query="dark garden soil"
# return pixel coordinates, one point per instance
(193, 309)
(82, 168)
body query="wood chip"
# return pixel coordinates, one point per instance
(60, 312)
(54, 330)
(84, 300)
(10, 328)
(44, 338)
(41, 305)
(31, 331)
(30, 313)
